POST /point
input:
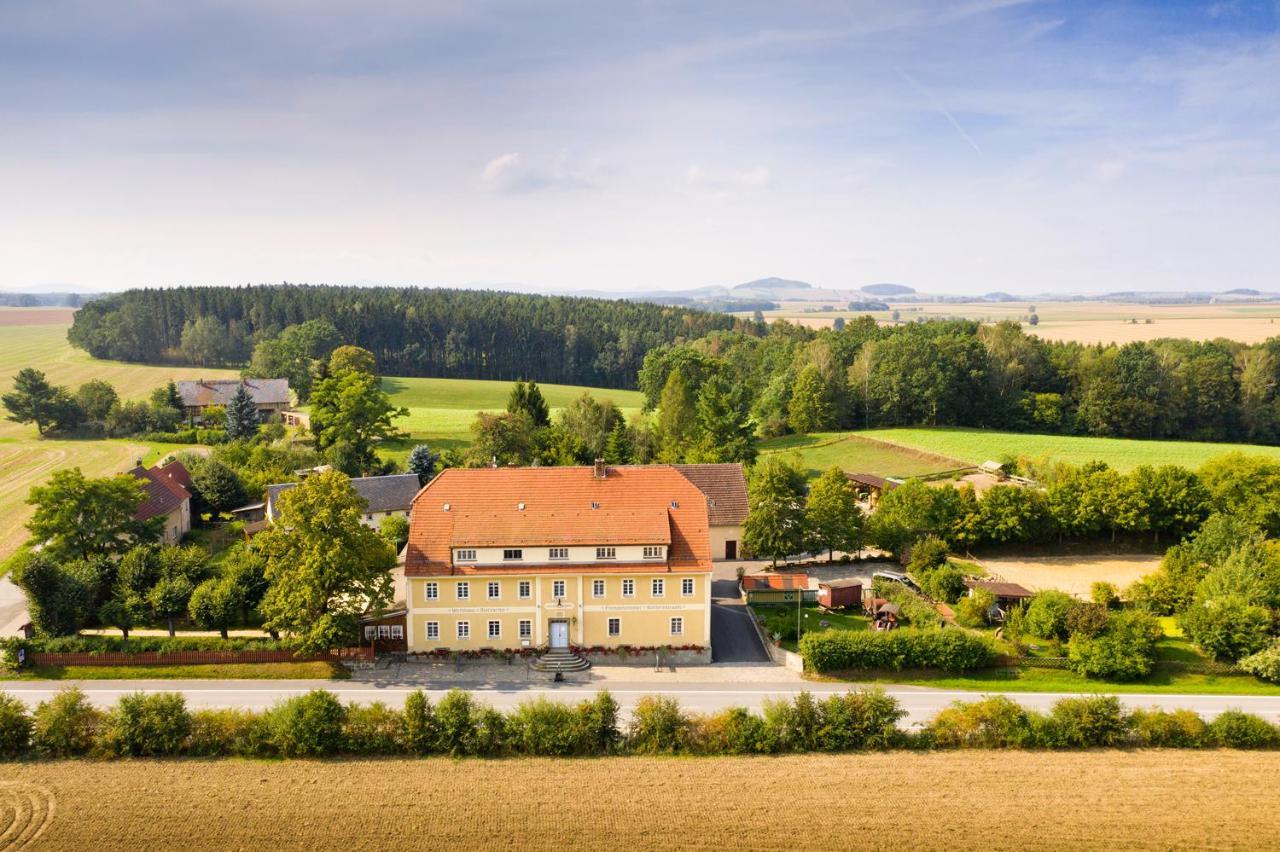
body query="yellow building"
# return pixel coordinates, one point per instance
(559, 558)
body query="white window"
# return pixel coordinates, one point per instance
(384, 631)
(628, 588)
(370, 631)
(686, 587)
(432, 591)
(464, 591)
(615, 627)
(651, 552)
(495, 629)
(606, 553)
(464, 629)
(657, 588)
(433, 631)
(557, 588)
(597, 588)
(495, 590)
(558, 553)
(397, 631)
(466, 556)
(513, 553)
(526, 628)
(526, 589)
(677, 626)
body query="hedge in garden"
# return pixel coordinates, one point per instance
(895, 650)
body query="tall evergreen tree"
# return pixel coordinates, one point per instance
(422, 461)
(617, 449)
(726, 432)
(242, 415)
(811, 409)
(677, 423)
(32, 399)
(527, 397)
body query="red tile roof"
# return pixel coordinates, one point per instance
(641, 504)
(775, 582)
(165, 489)
(726, 488)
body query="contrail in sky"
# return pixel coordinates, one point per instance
(943, 111)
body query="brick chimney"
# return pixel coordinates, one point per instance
(601, 471)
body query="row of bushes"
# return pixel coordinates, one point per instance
(210, 437)
(896, 650)
(317, 724)
(92, 644)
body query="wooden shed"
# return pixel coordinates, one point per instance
(839, 594)
(776, 588)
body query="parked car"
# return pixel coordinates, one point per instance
(896, 577)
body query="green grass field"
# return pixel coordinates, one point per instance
(820, 451)
(977, 445)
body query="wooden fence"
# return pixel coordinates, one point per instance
(192, 658)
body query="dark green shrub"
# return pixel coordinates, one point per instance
(859, 719)
(596, 724)
(1105, 595)
(373, 729)
(1095, 721)
(147, 725)
(1126, 650)
(1227, 628)
(65, 725)
(913, 609)
(491, 732)
(15, 726)
(1047, 614)
(1087, 619)
(226, 733)
(790, 725)
(1169, 729)
(926, 555)
(944, 583)
(421, 728)
(657, 726)
(307, 725)
(545, 728)
(895, 650)
(993, 722)
(1233, 729)
(457, 722)
(974, 609)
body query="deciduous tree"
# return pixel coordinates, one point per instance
(833, 515)
(79, 518)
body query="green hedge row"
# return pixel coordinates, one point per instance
(138, 644)
(895, 650)
(318, 724)
(188, 436)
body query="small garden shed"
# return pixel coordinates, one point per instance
(777, 588)
(839, 594)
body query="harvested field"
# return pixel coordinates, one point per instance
(1071, 574)
(992, 800)
(36, 316)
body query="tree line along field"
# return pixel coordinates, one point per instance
(1000, 800)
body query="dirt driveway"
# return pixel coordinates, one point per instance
(1072, 574)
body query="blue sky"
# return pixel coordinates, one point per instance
(958, 147)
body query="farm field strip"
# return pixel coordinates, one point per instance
(1134, 800)
(856, 454)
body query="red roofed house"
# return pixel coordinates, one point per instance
(558, 557)
(168, 490)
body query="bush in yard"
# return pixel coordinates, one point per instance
(372, 729)
(226, 733)
(1126, 650)
(994, 722)
(926, 555)
(65, 725)
(15, 727)
(421, 728)
(944, 583)
(859, 719)
(1233, 729)
(733, 731)
(491, 732)
(1169, 729)
(1264, 664)
(973, 609)
(906, 648)
(657, 726)
(1087, 619)
(147, 725)
(1047, 614)
(1096, 721)
(1227, 628)
(1105, 594)
(305, 726)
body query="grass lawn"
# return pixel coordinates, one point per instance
(212, 671)
(1057, 680)
(978, 445)
(811, 618)
(822, 450)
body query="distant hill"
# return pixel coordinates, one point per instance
(767, 284)
(888, 290)
(999, 296)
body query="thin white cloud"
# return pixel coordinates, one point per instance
(513, 173)
(751, 178)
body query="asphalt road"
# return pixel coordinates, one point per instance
(733, 637)
(919, 702)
